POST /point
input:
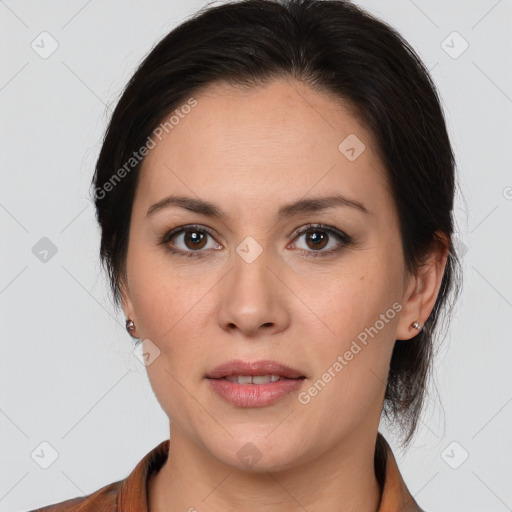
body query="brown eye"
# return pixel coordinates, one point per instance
(189, 241)
(194, 240)
(317, 238)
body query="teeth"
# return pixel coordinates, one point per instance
(257, 379)
(261, 379)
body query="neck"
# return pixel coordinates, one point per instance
(341, 480)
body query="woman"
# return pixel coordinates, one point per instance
(275, 194)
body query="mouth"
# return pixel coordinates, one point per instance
(258, 372)
(258, 384)
(256, 379)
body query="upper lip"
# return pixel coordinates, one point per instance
(239, 367)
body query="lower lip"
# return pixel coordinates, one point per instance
(254, 395)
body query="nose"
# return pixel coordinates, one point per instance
(253, 299)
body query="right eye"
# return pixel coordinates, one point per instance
(188, 240)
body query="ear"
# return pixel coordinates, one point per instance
(423, 287)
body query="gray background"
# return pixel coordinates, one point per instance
(68, 373)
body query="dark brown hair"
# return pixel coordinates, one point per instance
(330, 45)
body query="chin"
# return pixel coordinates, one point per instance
(259, 454)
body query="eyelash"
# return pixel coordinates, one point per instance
(344, 239)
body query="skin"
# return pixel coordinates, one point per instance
(249, 152)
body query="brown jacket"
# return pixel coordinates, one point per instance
(129, 495)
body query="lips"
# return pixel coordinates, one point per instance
(256, 368)
(254, 384)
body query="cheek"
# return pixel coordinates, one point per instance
(359, 312)
(160, 296)
(171, 312)
(349, 302)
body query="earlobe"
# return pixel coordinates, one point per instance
(127, 307)
(410, 318)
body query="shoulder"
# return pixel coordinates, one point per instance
(102, 500)
(127, 494)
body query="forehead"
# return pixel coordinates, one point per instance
(274, 140)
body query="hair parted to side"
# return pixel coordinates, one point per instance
(332, 46)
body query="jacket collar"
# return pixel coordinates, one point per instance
(395, 496)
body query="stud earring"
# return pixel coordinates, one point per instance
(416, 325)
(130, 326)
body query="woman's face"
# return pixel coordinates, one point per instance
(246, 285)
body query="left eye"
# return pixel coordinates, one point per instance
(318, 238)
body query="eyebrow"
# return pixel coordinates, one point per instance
(313, 205)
